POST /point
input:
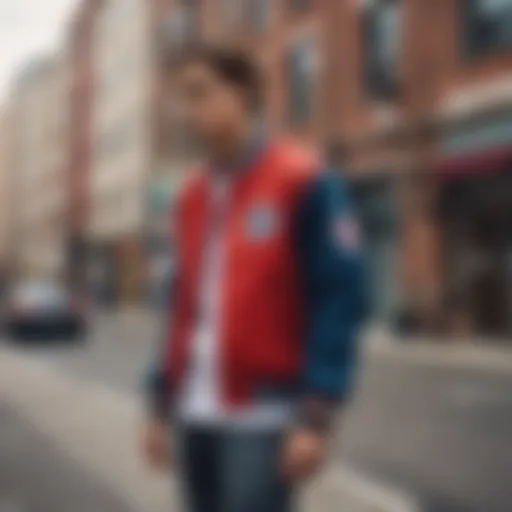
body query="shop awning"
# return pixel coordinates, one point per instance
(489, 160)
(478, 146)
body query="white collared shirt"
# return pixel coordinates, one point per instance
(200, 400)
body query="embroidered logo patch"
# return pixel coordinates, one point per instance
(262, 222)
(346, 233)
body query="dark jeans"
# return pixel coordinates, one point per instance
(233, 471)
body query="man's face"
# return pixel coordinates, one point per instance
(209, 106)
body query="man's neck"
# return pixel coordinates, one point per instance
(230, 151)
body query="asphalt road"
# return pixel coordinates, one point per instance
(36, 476)
(444, 434)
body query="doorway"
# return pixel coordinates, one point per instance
(477, 222)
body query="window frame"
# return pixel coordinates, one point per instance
(472, 49)
(375, 70)
(300, 118)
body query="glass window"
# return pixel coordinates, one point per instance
(302, 71)
(382, 36)
(487, 26)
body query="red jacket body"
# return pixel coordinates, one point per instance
(261, 322)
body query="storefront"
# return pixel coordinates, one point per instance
(475, 206)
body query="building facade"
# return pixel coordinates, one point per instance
(323, 83)
(6, 190)
(80, 43)
(414, 110)
(428, 121)
(121, 156)
(473, 120)
(40, 110)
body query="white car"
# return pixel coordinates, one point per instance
(44, 310)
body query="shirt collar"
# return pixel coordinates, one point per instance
(254, 147)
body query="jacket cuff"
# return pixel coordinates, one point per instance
(158, 395)
(159, 406)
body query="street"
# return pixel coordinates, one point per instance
(27, 484)
(442, 434)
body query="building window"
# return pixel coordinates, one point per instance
(302, 71)
(382, 24)
(487, 26)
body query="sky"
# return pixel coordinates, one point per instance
(28, 28)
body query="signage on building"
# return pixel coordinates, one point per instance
(487, 134)
(475, 98)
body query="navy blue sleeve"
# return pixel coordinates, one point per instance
(329, 247)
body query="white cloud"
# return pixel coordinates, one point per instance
(28, 28)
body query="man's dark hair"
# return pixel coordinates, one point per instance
(234, 66)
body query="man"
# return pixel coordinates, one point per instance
(267, 304)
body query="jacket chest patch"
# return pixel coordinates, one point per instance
(262, 222)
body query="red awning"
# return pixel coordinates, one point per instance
(481, 162)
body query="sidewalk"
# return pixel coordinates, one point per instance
(98, 428)
(476, 354)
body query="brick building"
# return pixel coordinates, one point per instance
(420, 92)
(313, 54)
(472, 117)
(80, 37)
(426, 109)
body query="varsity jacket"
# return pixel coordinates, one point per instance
(293, 295)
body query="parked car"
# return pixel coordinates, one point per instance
(44, 310)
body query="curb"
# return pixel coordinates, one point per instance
(455, 356)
